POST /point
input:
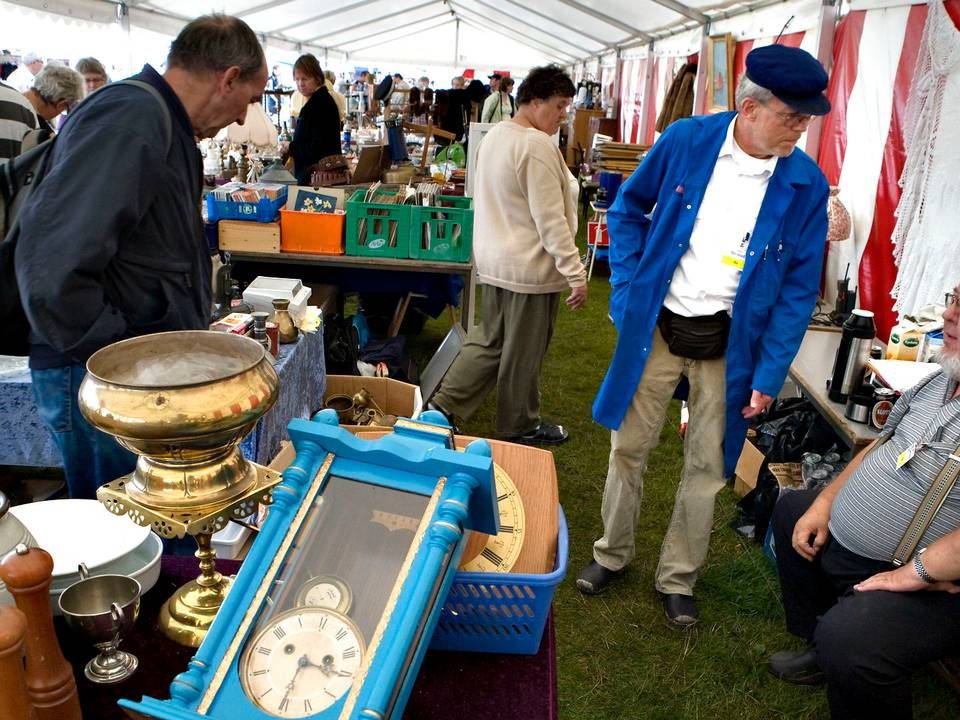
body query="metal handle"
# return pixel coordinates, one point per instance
(83, 570)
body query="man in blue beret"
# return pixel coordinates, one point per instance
(716, 246)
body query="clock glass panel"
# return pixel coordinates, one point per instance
(328, 597)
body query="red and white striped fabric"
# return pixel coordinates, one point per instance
(631, 98)
(861, 145)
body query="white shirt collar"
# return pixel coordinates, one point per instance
(746, 164)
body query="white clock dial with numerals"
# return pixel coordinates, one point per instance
(500, 551)
(302, 662)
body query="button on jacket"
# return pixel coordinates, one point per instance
(650, 224)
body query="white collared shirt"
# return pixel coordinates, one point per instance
(706, 279)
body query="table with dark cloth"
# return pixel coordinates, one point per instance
(449, 685)
(25, 440)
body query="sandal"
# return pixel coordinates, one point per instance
(543, 434)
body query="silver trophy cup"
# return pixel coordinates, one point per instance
(103, 609)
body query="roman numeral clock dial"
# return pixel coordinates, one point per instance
(302, 662)
(498, 553)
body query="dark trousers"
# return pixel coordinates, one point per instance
(867, 643)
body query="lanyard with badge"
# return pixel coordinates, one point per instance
(736, 256)
(932, 434)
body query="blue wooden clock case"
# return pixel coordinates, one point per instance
(375, 527)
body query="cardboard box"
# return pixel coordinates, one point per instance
(249, 236)
(748, 468)
(391, 396)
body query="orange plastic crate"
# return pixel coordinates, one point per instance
(310, 232)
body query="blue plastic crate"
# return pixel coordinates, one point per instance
(500, 612)
(264, 210)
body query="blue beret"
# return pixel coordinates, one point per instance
(794, 76)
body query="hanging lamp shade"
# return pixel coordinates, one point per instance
(256, 129)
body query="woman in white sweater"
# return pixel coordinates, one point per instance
(525, 223)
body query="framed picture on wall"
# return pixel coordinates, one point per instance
(720, 49)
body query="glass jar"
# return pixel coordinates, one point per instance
(281, 316)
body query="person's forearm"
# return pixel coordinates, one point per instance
(942, 557)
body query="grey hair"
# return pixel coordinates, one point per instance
(215, 43)
(56, 83)
(747, 88)
(91, 65)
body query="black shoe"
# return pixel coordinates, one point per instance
(447, 415)
(800, 667)
(543, 434)
(595, 578)
(681, 610)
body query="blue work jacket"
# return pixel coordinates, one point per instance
(650, 224)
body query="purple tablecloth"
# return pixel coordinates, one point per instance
(24, 440)
(450, 685)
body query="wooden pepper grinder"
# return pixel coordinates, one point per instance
(14, 701)
(50, 683)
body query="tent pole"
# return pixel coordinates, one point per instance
(825, 38)
(123, 20)
(700, 91)
(456, 45)
(647, 95)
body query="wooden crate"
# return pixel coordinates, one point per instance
(248, 236)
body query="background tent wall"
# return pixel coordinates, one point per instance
(861, 147)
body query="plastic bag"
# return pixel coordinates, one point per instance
(454, 153)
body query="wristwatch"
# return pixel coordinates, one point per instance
(921, 570)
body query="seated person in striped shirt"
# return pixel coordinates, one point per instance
(867, 623)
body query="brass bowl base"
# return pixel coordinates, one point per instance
(186, 617)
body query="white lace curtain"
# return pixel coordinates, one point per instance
(925, 239)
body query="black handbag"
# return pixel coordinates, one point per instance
(697, 338)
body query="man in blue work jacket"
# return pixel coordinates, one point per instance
(715, 257)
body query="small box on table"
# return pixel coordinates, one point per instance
(246, 236)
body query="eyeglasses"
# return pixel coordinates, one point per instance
(953, 299)
(793, 120)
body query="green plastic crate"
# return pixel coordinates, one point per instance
(377, 229)
(443, 233)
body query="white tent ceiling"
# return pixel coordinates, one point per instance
(509, 34)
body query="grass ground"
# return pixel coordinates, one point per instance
(617, 656)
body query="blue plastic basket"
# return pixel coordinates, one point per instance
(500, 612)
(264, 210)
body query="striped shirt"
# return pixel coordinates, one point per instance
(873, 508)
(17, 118)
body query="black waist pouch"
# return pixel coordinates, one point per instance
(697, 338)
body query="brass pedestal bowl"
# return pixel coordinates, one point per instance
(183, 401)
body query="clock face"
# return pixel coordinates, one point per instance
(302, 662)
(326, 591)
(499, 552)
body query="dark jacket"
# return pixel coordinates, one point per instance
(112, 244)
(650, 224)
(317, 134)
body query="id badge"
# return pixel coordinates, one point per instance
(906, 456)
(736, 257)
(733, 260)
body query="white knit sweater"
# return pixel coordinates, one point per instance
(525, 213)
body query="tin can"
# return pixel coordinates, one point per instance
(883, 399)
(273, 332)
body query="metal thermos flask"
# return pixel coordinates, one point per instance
(852, 355)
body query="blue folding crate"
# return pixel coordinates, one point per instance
(500, 612)
(263, 210)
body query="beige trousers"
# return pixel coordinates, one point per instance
(506, 350)
(688, 535)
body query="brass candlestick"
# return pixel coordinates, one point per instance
(183, 401)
